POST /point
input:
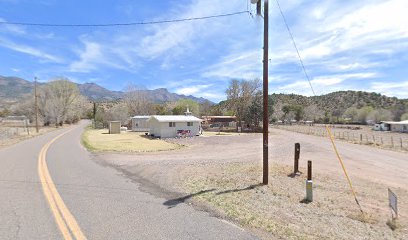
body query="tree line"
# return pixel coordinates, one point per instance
(363, 115)
(58, 101)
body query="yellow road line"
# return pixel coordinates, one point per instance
(62, 215)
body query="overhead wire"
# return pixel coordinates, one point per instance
(126, 23)
(314, 94)
(296, 48)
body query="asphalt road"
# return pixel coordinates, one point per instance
(102, 203)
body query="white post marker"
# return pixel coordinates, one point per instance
(309, 190)
(309, 182)
(392, 198)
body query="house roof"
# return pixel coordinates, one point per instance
(141, 117)
(175, 118)
(15, 118)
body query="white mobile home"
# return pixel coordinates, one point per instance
(169, 126)
(140, 124)
(392, 126)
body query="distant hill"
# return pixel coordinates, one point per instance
(336, 103)
(95, 92)
(13, 89)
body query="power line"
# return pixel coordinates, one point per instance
(327, 128)
(297, 50)
(124, 24)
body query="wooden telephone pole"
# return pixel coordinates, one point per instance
(265, 122)
(265, 95)
(36, 104)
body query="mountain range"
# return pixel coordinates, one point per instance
(13, 89)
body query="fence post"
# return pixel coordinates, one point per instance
(309, 183)
(297, 155)
(361, 138)
(401, 143)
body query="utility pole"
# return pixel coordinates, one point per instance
(265, 121)
(36, 104)
(94, 114)
(265, 95)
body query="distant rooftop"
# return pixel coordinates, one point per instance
(396, 123)
(141, 117)
(175, 118)
(15, 118)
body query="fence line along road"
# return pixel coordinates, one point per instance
(364, 135)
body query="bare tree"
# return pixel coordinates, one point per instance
(313, 113)
(380, 115)
(137, 101)
(57, 100)
(240, 95)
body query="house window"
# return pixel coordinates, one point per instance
(172, 124)
(189, 124)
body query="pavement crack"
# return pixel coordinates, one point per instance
(18, 221)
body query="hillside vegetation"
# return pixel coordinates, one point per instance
(342, 105)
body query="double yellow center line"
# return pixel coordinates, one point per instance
(63, 217)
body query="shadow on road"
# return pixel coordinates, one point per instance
(174, 202)
(240, 189)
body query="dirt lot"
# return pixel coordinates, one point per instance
(222, 174)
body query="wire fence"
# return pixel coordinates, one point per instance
(364, 136)
(7, 132)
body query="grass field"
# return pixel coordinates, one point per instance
(98, 140)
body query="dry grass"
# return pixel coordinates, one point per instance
(99, 140)
(278, 208)
(8, 140)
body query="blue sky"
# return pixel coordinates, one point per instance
(345, 45)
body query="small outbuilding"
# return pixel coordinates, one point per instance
(140, 124)
(170, 126)
(114, 127)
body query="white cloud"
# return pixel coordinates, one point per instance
(174, 39)
(396, 89)
(192, 90)
(92, 56)
(14, 29)
(29, 50)
(324, 84)
(244, 65)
